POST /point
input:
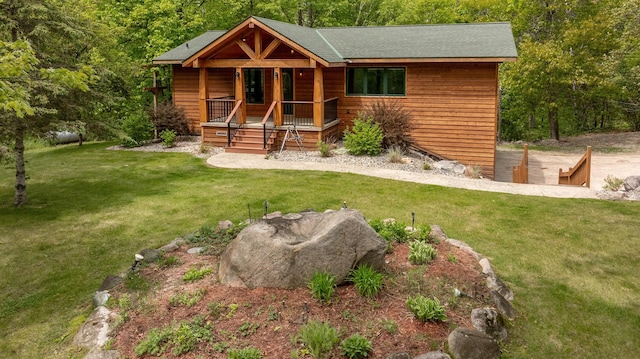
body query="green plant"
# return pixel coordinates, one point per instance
(168, 138)
(248, 328)
(216, 240)
(367, 280)
(324, 148)
(473, 171)
(181, 337)
(187, 299)
(356, 347)
(426, 166)
(612, 183)
(136, 282)
(195, 274)
(168, 261)
(395, 154)
(220, 346)
(137, 129)
(365, 138)
(389, 325)
(394, 122)
(245, 353)
(426, 309)
(273, 314)
(319, 337)
(421, 252)
(391, 230)
(167, 116)
(452, 258)
(322, 286)
(421, 233)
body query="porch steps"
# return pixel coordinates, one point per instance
(249, 140)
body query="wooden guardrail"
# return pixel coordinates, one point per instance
(521, 172)
(580, 174)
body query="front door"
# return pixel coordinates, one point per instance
(287, 91)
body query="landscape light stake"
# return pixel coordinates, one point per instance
(137, 259)
(266, 207)
(249, 209)
(413, 221)
(344, 205)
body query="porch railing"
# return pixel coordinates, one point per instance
(265, 119)
(300, 113)
(580, 174)
(218, 109)
(521, 171)
(228, 122)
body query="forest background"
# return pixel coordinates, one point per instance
(69, 64)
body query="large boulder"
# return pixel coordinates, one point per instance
(467, 343)
(284, 252)
(488, 321)
(631, 183)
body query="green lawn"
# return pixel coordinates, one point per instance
(573, 264)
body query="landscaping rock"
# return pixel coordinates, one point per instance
(445, 165)
(437, 233)
(502, 305)
(467, 343)
(195, 250)
(100, 298)
(97, 353)
(494, 283)
(459, 169)
(631, 183)
(488, 321)
(110, 282)
(399, 355)
(150, 255)
(433, 355)
(285, 252)
(224, 225)
(273, 215)
(93, 333)
(169, 248)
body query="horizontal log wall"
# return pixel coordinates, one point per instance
(453, 108)
(185, 90)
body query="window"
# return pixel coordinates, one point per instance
(254, 85)
(376, 81)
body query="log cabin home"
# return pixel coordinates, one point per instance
(243, 88)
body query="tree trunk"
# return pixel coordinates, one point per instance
(554, 132)
(21, 174)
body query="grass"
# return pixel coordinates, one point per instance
(570, 262)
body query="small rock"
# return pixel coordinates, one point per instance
(488, 321)
(433, 355)
(399, 355)
(195, 250)
(459, 169)
(273, 215)
(389, 220)
(110, 282)
(467, 343)
(631, 183)
(437, 233)
(224, 225)
(486, 266)
(101, 297)
(150, 255)
(502, 305)
(445, 165)
(168, 247)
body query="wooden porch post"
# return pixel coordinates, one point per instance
(318, 97)
(277, 96)
(203, 93)
(241, 116)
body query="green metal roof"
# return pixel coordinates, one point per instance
(342, 44)
(189, 48)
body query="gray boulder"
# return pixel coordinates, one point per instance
(94, 332)
(502, 305)
(284, 252)
(467, 343)
(631, 183)
(488, 321)
(433, 355)
(398, 355)
(150, 255)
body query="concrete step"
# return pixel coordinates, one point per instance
(239, 149)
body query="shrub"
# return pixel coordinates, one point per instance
(356, 347)
(612, 183)
(365, 138)
(367, 281)
(319, 337)
(395, 154)
(421, 252)
(425, 309)
(245, 353)
(169, 117)
(324, 148)
(168, 138)
(322, 286)
(394, 121)
(390, 230)
(137, 129)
